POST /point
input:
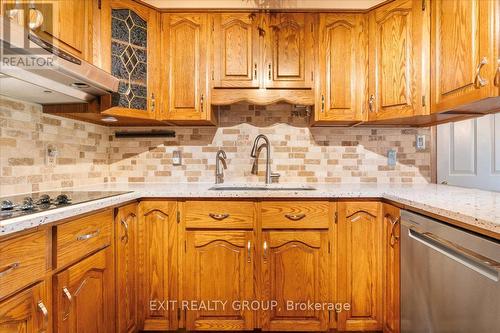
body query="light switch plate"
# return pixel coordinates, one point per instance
(176, 157)
(391, 157)
(50, 155)
(420, 142)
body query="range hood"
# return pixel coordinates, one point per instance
(36, 71)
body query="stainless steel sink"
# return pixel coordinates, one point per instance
(261, 188)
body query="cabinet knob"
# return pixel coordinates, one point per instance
(480, 81)
(371, 101)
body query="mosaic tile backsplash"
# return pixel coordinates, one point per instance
(89, 153)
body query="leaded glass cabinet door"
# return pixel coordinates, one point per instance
(128, 51)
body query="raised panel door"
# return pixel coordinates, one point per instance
(157, 262)
(343, 65)
(289, 50)
(398, 60)
(219, 267)
(295, 270)
(126, 268)
(236, 57)
(360, 265)
(464, 58)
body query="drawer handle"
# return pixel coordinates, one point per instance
(45, 313)
(393, 238)
(88, 236)
(70, 300)
(295, 217)
(479, 80)
(9, 268)
(124, 238)
(218, 217)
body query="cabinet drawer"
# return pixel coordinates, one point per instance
(80, 237)
(23, 260)
(220, 214)
(296, 214)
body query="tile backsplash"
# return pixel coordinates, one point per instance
(90, 153)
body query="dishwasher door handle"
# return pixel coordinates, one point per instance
(475, 261)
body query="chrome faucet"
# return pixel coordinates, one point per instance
(220, 158)
(255, 154)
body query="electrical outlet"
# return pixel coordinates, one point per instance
(177, 157)
(392, 157)
(50, 155)
(420, 142)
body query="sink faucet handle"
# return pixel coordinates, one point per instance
(275, 177)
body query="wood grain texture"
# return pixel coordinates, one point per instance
(262, 96)
(462, 34)
(23, 260)
(391, 254)
(69, 248)
(219, 266)
(21, 313)
(360, 265)
(296, 215)
(157, 234)
(126, 223)
(294, 267)
(90, 283)
(203, 214)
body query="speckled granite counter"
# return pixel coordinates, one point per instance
(473, 209)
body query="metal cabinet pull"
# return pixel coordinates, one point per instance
(70, 300)
(218, 217)
(269, 72)
(45, 313)
(202, 100)
(497, 75)
(152, 102)
(249, 251)
(295, 217)
(393, 238)
(479, 80)
(322, 103)
(265, 250)
(255, 71)
(370, 102)
(88, 236)
(6, 270)
(124, 238)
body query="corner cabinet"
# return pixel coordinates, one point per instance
(184, 73)
(128, 39)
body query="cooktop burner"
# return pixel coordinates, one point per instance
(21, 205)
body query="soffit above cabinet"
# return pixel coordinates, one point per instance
(332, 5)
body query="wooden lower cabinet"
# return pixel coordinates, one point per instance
(26, 311)
(84, 295)
(294, 268)
(219, 266)
(391, 230)
(157, 264)
(126, 268)
(359, 260)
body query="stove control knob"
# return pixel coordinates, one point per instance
(6, 205)
(44, 199)
(62, 199)
(27, 204)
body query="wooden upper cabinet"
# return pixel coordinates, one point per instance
(26, 312)
(342, 68)
(359, 267)
(219, 266)
(126, 222)
(236, 53)
(84, 295)
(157, 262)
(128, 50)
(398, 47)
(294, 268)
(185, 50)
(290, 41)
(464, 53)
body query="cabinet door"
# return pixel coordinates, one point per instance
(295, 270)
(236, 57)
(463, 52)
(391, 226)
(129, 34)
(219, 266)
(360, 265)
(126, 268)
(289, 50)
(343, 67)
(398, 60)
(185, 56)
(26, 311)
(66, 24)
(84, 295)
(157, 263)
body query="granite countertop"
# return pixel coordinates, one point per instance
(473, 209)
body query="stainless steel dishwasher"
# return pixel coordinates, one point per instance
(449, 278)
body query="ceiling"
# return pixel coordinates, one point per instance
(265, 4)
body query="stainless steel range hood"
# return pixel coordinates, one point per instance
(35, 71)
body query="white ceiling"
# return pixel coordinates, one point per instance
(265, 4)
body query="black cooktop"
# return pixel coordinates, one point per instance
(21, 205)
